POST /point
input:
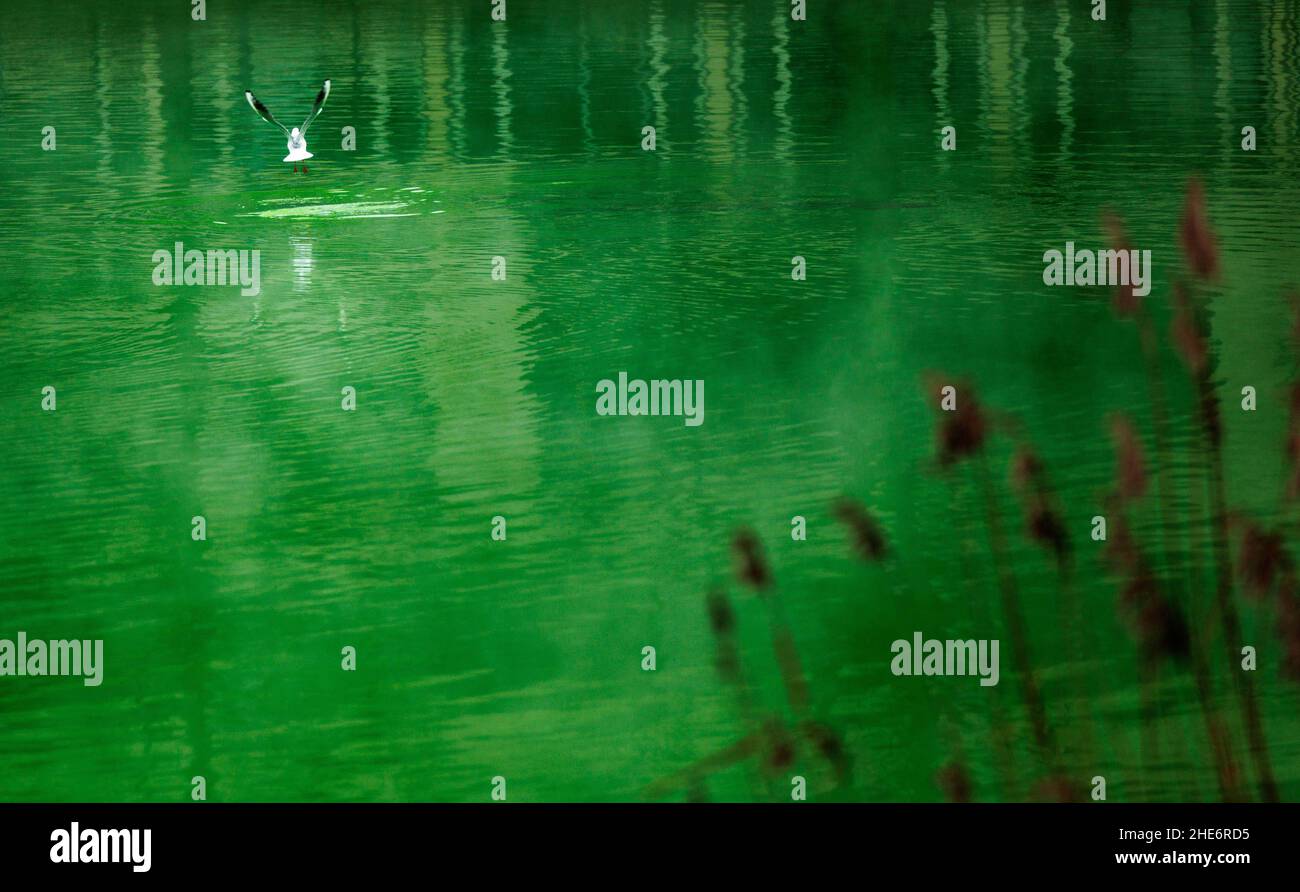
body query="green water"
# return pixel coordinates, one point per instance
(476, 397)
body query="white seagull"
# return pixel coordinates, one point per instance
(297, 143)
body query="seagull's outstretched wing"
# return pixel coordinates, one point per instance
(320, 103)
(263, 110)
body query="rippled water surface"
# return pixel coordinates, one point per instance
(476, 398)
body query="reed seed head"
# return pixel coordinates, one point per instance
(954, 780)
(1130, 468)
(750, 565)
(1261, 560)
(1195, 234)
(865, 534)
(963, 430)
(722, 620)
(1125, 303)
(1185, 330)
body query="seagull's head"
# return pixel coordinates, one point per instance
(296, 136)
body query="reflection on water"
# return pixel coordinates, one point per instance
(475, 396)
(1064, 77)
(302, 263)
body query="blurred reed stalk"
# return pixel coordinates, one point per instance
(1267, 568)
(1159, 627)
(1191, 329)
(722, 623)
(768, 740)
(752, 571)
(1182, 577)
(999, 729)
(1292, 491)
(692, 778)
(1287, 602)
(1288, 592)
(1128, 305)
(954, 780)
(1293, 446)
(1013, 616)
(953, 777)
(1130, 486)
(962, 433)
(1044, 527)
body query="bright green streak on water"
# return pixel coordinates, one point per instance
(476, 398)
